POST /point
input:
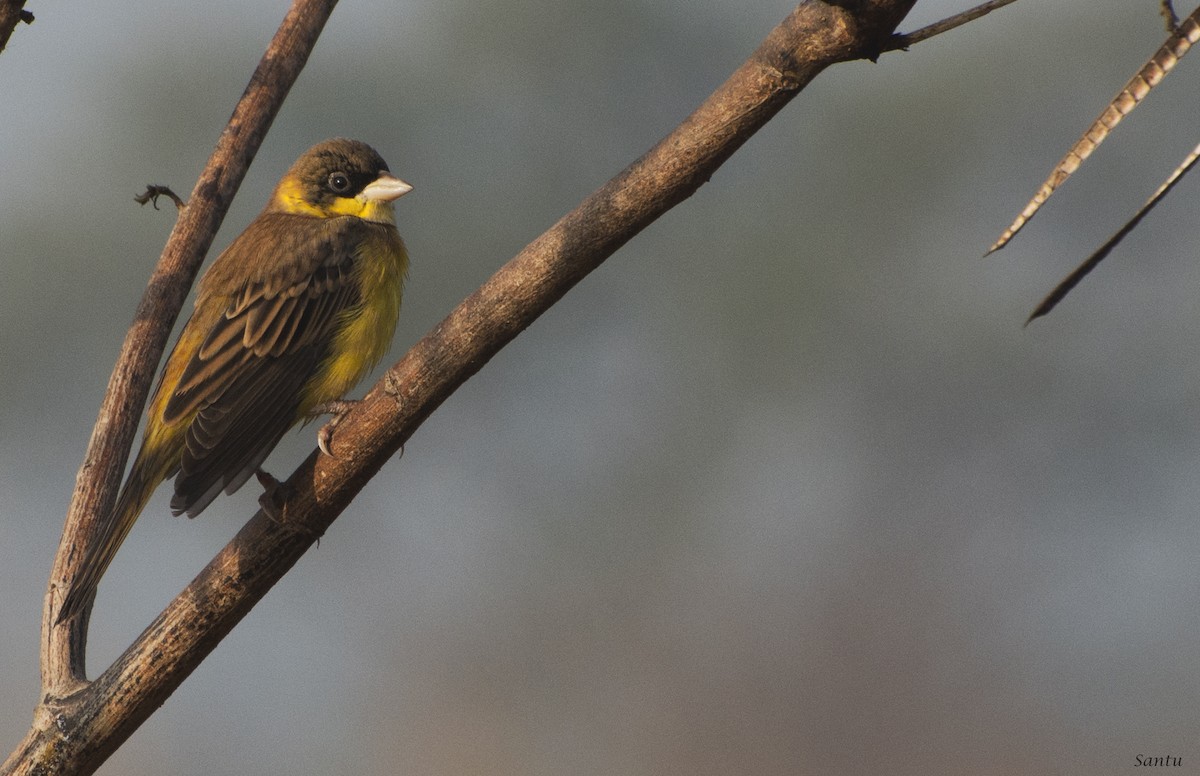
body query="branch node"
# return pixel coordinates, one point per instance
(392, 386)
(898, 42)
(904, 41)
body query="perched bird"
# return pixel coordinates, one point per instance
(287, 319)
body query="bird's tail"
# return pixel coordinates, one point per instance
(148, 471)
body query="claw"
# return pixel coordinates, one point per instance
(338, 410)
(325, 437)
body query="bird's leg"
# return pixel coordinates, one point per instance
(273, 495)
(272, 498)
(338, 410)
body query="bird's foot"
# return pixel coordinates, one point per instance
(273, 495)
(338, 410)
(272, 498)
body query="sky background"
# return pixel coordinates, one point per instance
(783, 488)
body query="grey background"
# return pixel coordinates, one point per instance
(783, 488)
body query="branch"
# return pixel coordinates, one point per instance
(1147, 77)
(62, 659)
(1091, 262)
(89, 725)
(12, 12)
(945, 25)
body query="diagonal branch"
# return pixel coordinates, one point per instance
(95, 488)
(945, 25)
(12, 12)
(1151, 74)
(1091, 262)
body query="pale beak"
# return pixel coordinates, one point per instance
(385, 188)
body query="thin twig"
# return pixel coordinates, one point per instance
(1147, 77)
(104, 461)
(1070, 281)
(937, 28)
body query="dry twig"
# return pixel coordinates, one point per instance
(1149, 76)
(945, 25)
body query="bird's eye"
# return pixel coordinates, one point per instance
(339, 183)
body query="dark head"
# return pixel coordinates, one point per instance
(339, 177)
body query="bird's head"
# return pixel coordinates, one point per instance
(339, 177)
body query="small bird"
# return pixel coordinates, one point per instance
(287, 320)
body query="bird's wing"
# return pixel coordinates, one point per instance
(244, 385)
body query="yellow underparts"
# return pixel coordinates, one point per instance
(365, 333)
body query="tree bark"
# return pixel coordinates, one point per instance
(12, 12)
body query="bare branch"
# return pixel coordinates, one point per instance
(1149, 76)
(129, 385)
(945, 25)
(12, 12)
(1070, 281)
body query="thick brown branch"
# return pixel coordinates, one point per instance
(12, 12)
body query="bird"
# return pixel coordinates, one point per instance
(293, 314)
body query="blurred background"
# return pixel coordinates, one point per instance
(783, 488)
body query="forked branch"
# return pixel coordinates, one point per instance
(80, 724)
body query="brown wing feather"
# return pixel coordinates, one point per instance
(245, 383)
(228, 440)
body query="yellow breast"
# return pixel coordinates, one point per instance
(365, 331)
